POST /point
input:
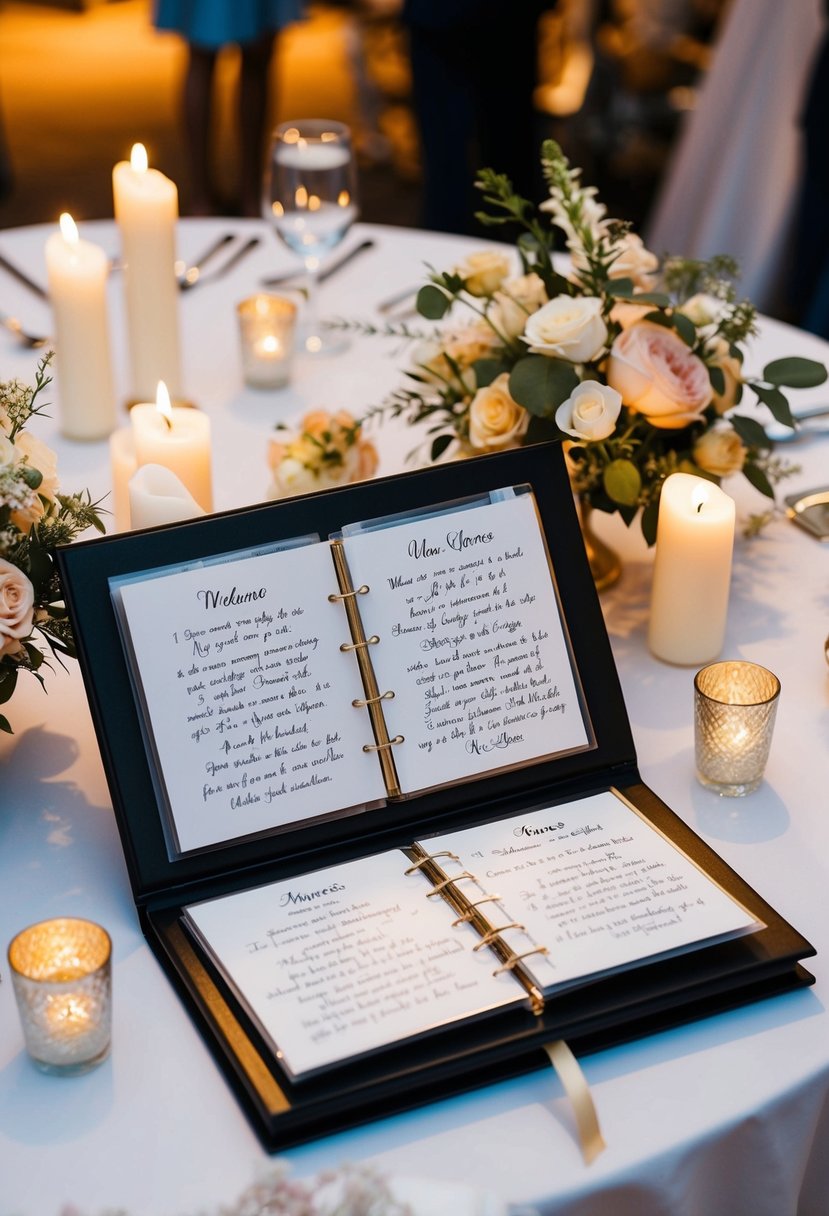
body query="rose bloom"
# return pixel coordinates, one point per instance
(658, 376)
(625, 313)
(464, 346)
(719, 451)
(496, 421)
(515, 301)
(298, 467)
(590, 412)
(37, 456)
(484, 272)
(569, 327)
(633, 261)
(703, 309)
(17, 599)
(719, 355)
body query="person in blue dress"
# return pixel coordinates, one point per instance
(207, 26)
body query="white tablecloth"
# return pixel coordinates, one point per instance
(724, 1117)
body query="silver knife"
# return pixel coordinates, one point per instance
(192, 273)
(332, 267)
(23, 278)
(222, 270)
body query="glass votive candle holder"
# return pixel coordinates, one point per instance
(735, 704)
(61, 974)
(266, 333)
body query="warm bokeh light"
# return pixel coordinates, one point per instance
(68, 228)
(138, 158)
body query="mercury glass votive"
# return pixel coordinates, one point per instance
(61, 974)
(266, 333)
(735, 704)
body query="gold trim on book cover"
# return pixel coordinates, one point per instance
(374, 705)
(574, 1083)
(469, 912)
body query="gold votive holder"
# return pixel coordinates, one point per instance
(61, 975)
(266, 333)
(735, 704)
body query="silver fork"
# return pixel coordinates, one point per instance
(32, 341)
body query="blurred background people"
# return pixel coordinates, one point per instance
(207, 26)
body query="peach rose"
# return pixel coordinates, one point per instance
(658, 376)
(719, 355)
(17, 599)
(569, 327)
(484, 272)
(496, 421)
(590, 412)
(36, 455)
(516, 300)
(719, 451)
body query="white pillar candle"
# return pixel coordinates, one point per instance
(177, 437)
(692, 571)
(146, 208)
(77, 290)
(123, 464)
(157, 496)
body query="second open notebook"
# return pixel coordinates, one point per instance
(316, 677)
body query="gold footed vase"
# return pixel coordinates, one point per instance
(605, 563)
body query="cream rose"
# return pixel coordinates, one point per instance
(658, 376)
(496, 421)
(703, 309)
(516, 300)
(719, 355)
(484, 272)
(463, 346)
(719, 451)
(36, 455)
(17, 599)
(569, 327)
(590, 412)
(634, 262)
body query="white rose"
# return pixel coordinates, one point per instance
(634, 262)
(703, 309)
(484, 272)
(569, 327)
(590, 412)
(517, 299)
(719, 451)
(17, 599)
(496, 420)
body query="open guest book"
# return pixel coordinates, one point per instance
(379, 800)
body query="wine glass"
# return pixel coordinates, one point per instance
(310, 197)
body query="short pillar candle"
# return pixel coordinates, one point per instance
(177, 437)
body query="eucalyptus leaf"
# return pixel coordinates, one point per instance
(487, 370)
(717, 378)
(432, 303)
(750, 431)
(622, 482)
(758, 479)
(649, 520)
(8, 683)
(5, 725)
(439, 445)
(658, 318)
(622, 289)
(540, 384)
(685, 327)
(656, 298)
(794, 372)
(776, 401)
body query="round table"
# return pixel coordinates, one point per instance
(725, 1116)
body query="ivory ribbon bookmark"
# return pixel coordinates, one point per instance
(574, 1082)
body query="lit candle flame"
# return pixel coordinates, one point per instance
(138, 158)
(68, 228)
(162, 404)
(343, 199)
(699, 497)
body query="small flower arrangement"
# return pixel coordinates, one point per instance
(34, 518)
(329, 450)
(637, 366)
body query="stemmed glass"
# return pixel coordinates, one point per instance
(310, 197)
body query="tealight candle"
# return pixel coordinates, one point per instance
(146, 209)
(157, 496)
(77, 290)
(61, 974)
(177, 437)
(692, 570)
(266, 332)
(735, 704)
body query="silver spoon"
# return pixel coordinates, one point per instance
(32, 341)
(778, 433)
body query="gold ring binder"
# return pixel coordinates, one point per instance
(467, 916)
(425, 861)
(517, 959)
(489, 938)
(361, 702)
(372, 641)
(344, 595)
(378, 747)
(447, 882)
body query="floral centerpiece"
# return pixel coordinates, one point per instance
(636, 365)
(34, 518)
(327, 450)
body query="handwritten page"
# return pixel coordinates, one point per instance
(338, 963)
(595, 883)
(471, 641)
(247, 695)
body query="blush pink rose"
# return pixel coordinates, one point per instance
(16, 607)
(658, 375)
